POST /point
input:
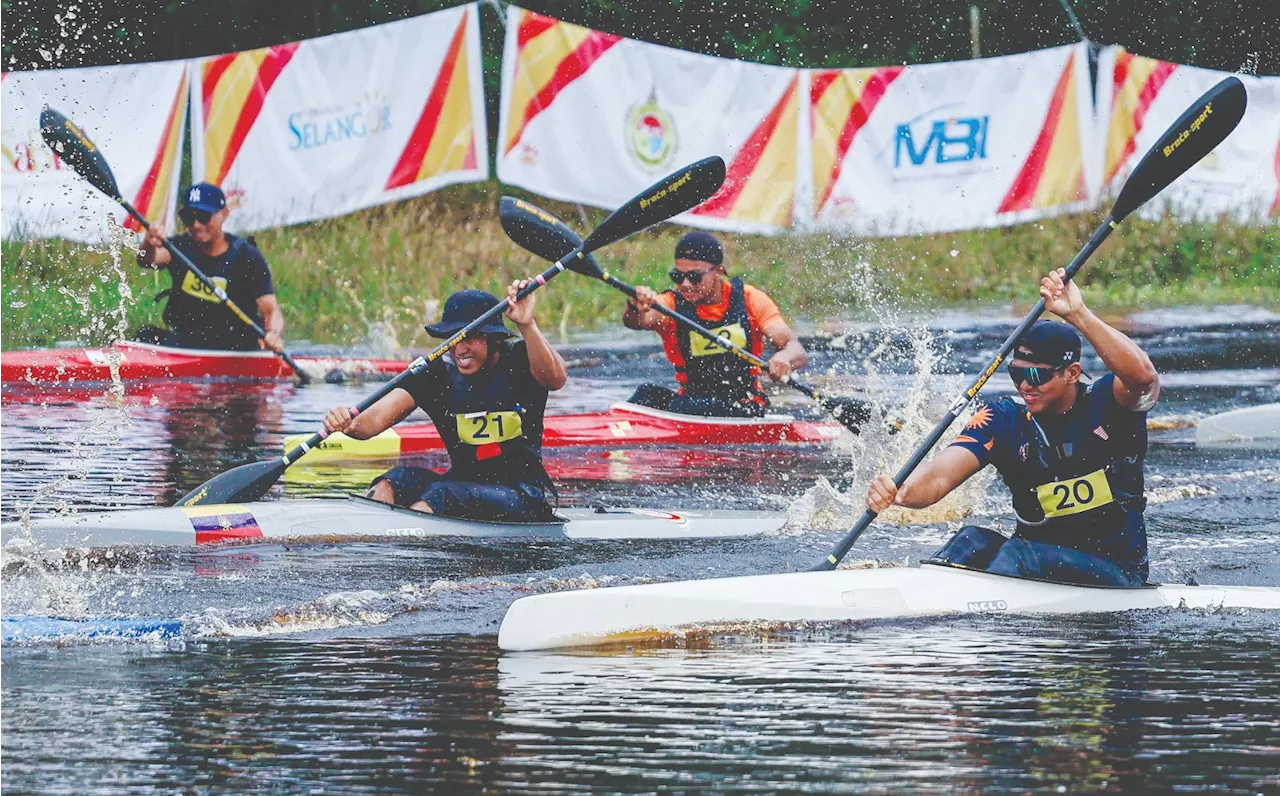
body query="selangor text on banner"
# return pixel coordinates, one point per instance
(326, 126)
(950, 146)
(134, 113)
(591, 117)
(1138, 98)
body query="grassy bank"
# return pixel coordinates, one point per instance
(374, 276)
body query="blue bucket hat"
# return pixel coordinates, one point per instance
(464, 307)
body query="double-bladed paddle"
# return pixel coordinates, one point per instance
(679, 192)
(73, 146)
(548, 237)
(1201, 128)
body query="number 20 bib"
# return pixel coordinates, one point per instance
(483, 428)
(1075, 495)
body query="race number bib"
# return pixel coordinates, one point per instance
(192, 286)
(483, 428)
(1074, 495)
(702, 347)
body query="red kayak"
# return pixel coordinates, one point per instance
(140, 361)
(623, 425)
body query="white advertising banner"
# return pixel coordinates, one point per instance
(595, 118)
(134, 113)
(1138, 98)
(327, 126)
(950, 146)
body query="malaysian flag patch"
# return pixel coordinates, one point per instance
(1101, 432)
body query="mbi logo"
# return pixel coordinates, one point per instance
(951, 140)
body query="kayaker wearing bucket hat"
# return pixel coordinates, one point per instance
(487, 398)
(712, 381)
(1071, 454)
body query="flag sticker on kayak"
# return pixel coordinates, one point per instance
(214, 524)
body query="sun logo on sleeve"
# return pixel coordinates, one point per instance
(980, 418)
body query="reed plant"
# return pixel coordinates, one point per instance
(371, 279)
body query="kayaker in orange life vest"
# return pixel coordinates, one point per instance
(713, 382)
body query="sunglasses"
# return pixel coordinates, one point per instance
(694, 277)
(190, 215)
(1031, 375)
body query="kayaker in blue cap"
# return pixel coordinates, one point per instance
(1070, 452)
(711, 381)
(487, 398)
(196, 317)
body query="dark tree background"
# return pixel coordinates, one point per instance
(1219, 34)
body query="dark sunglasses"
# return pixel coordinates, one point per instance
(190, 215)
(694, 277)
(1032, 375)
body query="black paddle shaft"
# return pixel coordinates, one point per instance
(964, 399)
(420, 364)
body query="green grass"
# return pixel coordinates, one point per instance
(375, 276)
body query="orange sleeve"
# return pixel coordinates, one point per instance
(761, 308)
(666, 327)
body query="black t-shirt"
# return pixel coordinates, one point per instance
(197, 315)
(491, 423)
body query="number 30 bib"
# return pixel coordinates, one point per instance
(483, 428)
(1074, 495)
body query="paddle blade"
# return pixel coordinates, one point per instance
(74, 147)
(239, 485)
(684, 190)
(1196, 132)
(852, 413)
(542, 234)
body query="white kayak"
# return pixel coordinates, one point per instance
(357, 518)
(629, 614)
(1243, 427)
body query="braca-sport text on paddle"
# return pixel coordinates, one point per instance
(1201, 128)
(679, 192)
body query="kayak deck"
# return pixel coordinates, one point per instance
(357, 518)
(142, 361)
(628, 614)
(622, 425)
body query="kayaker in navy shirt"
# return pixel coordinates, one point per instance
(487, 398)
(195, 316)
(1070, 452)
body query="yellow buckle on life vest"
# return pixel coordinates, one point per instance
(700, 346)
(1075, 495)
(483, 428)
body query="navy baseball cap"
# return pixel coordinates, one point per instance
(700, 246)
(464, 307)
(1049, 343)
(204, 196)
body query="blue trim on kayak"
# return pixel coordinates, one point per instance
(17, 629)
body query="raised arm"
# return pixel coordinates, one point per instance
(639, 313)
(1137, 384)
(153, 254)
(545, 365)
(389, 410)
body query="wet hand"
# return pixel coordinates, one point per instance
(882, 494)
(779, 367)
(1061, 297)
(338, 419)
(645, 299)
(153, 240)
(520, 312)
(273, 341)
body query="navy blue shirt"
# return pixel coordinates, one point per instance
(197, 315)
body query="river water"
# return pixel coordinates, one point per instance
(373, 666)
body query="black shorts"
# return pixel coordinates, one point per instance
(656, 396)
(468, 500)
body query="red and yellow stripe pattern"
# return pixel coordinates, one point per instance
(1053, 173)
(443, 139)
(153, 198)
(841, 102)
(550, 55)
(760, 182)
(1136, 81)
(233, 88)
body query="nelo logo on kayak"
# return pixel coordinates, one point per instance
(986, 606)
